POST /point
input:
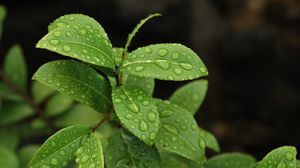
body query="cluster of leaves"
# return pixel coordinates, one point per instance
(118, 86)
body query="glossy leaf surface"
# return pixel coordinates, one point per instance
(179, 132)
(90, 154)
(231, 160)
(164, 61)
(81, 37)
(78, 81)
(58, 150)
(282, 157)
(210, 140)
(190, 96)
(137, 112)
(128, 151)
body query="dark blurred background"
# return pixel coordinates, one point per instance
(251, 49)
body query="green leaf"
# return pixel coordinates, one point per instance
(128, 151)
(164, 61)
(117, 52)
(80, 37)
(12, 112)
(8, 159)
(231, 160)
(282, 157)
(298, 164)
(78, 81)
(15, 67)
(90, 154)
(137, 112)
(40, 92)
(147, 84)
(58, 104)
(26, 153)
(137, 27)
(2, 16)
(79, 114)
(179, 132)
(9, 138)
(58, 150)
(169, 160)
(210, 140)
(193, 95)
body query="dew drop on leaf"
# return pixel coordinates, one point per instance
(54, 42)
(151, 116)
(148, 50)
(67, 48)
(128, 116)
(118, 100)
(143, 126)
(171, 129)
(57, 34)
(281, 165)
(175, 55)
(54, 161)
(163, 64)
(177, 71)
(139, 68)
(186, 66)
(289, 156)
(162, 52)
(201, 143)
(166, 113)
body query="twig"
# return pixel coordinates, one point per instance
(106, 117)
(39, 112)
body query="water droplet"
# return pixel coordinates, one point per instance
(163, 64)
(177, 71)
(147, 50)
(162, 52)
(183, 127)
(166, 113)
(133, 107)
(186, 66)
(54, 161)
(289, 156)
(143, 126)
(118, 100)
(194, 127)
(45, 166)
(175, 55)
(174, 139)
(201, 143)
(139, 68)
(92, 165)
(77, 160)
(170, 77)
(171, 129)
(281, 165)
(53, 143)
(152, 135)
(85, 158)
(202, 70)
(57, 34)
(68, 34)
(82, 31)
(62, 152)
(151, 116)
(134, 56)
(54, 42)
(79, 151)
(145, 103)
(88, 26)
(128, 116)
(67, 48)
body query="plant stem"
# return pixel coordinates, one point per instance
(121, 74)
(106, 117)
(38, 111)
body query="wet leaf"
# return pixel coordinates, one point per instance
(90, 154)
(179, 132)
(282, 157)
(147, 84)
(164, 61)
(210, 140)
(127, 151)
(58, 150)
(15, 67)
(231, 160)
(137, 112)
(78, 81)
(80, 37)
(190, 96)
